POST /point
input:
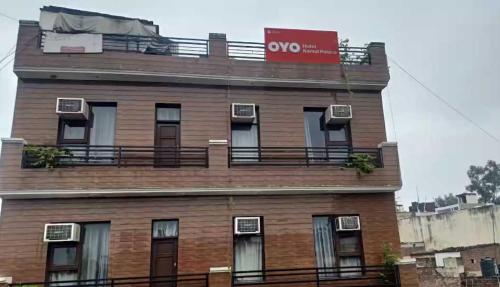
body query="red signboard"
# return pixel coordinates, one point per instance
(301, 46)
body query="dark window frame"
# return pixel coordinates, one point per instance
(86, 123)
(169, 237)
(336, 242)
(49, 268)
(327, 127)
(262, 238)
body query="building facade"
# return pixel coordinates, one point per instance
(160, 171)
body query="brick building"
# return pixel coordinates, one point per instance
(182, 156)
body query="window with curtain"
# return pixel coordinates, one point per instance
(336, 248)
(248, 253)
(83, 260)
(320, 137)
(165, 228)
(246, 135)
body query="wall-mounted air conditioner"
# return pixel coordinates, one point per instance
(347, 223)
(242, 113)
(247, 225)
(61, 232)
(338, 114)
(72, 108)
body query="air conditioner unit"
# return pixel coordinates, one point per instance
(338, 114)
(61, 232)
(242, 113)
(247, 225)
(347, 223)
(72, 108)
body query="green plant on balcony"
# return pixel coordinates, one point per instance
(389, 260)
(47, 157)
(363, 163)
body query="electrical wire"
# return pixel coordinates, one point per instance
(445, 102)
(9, 53)
(7, 63)
(8, 17)
(392, 113)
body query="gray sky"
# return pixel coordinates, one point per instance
(452, 46)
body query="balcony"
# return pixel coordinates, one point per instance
(38, 156)
(300, 156)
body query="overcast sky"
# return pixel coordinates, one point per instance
(452, 46)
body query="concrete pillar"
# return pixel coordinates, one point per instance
(217, 45)
(377, 53)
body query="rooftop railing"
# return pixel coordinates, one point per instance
(120, 156)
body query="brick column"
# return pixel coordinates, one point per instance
(219, 277)
(217, 45)
(12, 151)
(408, 274)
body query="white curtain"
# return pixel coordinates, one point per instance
(315, 137)
(102, 131)
(162, 229)
(168, 114)
(63, 276)
(248, 256)
(323, 245)
(95, 251)
(348, 262)
(245, 136)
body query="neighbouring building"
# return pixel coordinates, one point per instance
(136, 155)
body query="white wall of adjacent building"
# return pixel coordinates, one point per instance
(460, 228)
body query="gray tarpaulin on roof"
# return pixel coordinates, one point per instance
(68, 23)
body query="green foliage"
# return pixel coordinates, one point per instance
(389, 260)
(445, 200)
(47, 157)
(485, 181)
(363, 163)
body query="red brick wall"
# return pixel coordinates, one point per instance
(205, 234)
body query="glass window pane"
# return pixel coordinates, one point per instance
(64, 256)
(314, 134)
(74, 131)
(102, 131)
(95, 251)
(247, 138)
(337, 133)
(63, 276)
(350, 261)
(168, 114)
(349, 244)
(248, 256)
(323, 245)
(167, 228)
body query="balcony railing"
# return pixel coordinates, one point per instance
(257, 52)
(169, 46)
(317, 277)
(299, 156)
(180, 280)
(121, 156)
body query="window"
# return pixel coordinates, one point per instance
(245, 139)
(326, 142)
(336, 249)
(248, 254)
(99, 129)
(165, 228)
(84, 260)
(167, 135)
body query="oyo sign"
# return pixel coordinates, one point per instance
(301, 46)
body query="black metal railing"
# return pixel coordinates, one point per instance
(305, 277)
(170, 46)
(121, 156)
(257, 52)
(299, 156)
(179, 280)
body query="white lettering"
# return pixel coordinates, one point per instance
(294, 47)
(273, 46)
(284, 47)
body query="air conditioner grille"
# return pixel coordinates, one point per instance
(242, 110)
(59, 232)
(347, 223)
(248, 225)
(70, 106)
(342, 111)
